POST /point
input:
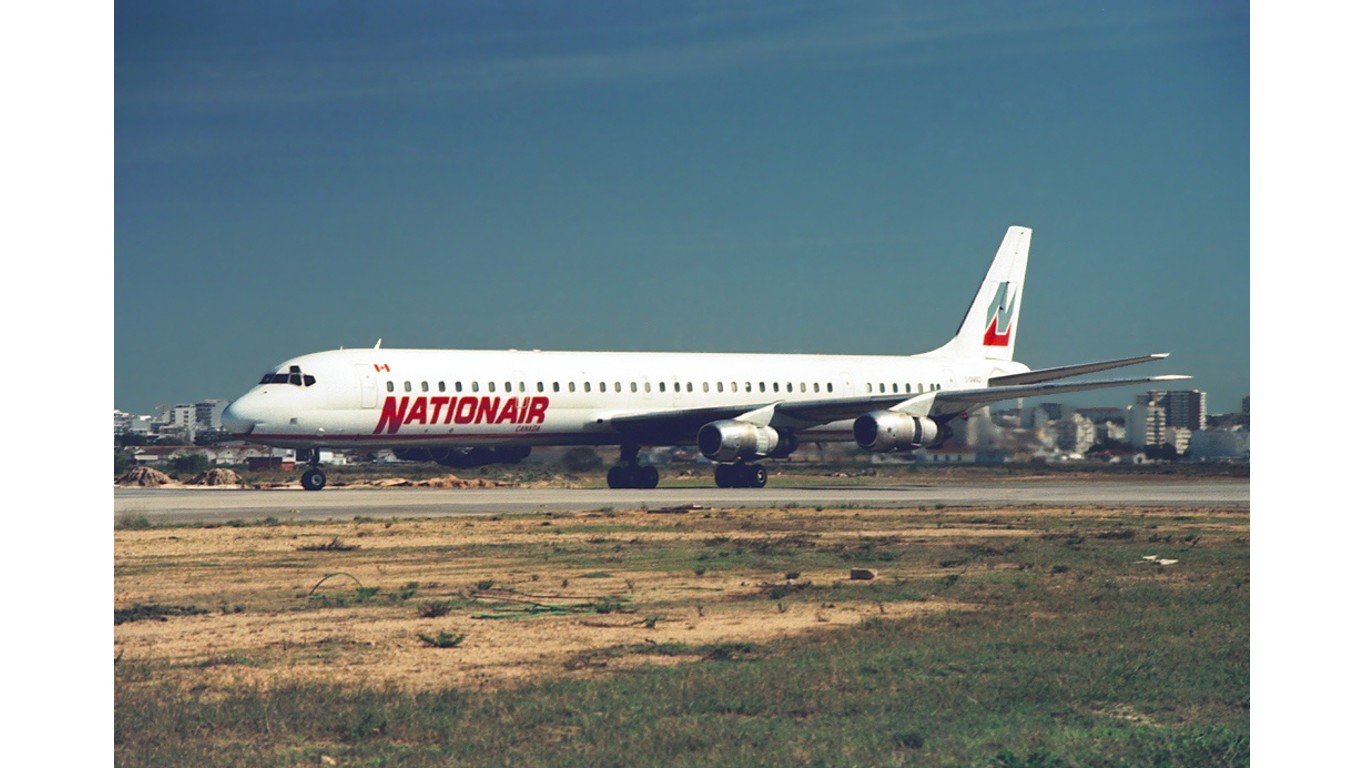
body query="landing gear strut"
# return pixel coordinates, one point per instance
(628, 473)
(313, 478)
(741, 475)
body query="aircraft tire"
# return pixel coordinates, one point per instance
(725, 475)
(757, 476)
(313, 480)
(617, 477)
(646, 477)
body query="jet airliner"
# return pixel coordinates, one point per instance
(466, 408)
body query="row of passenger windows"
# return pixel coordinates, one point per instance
(678, 386)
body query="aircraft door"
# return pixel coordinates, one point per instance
(369, 392)
(950, 380)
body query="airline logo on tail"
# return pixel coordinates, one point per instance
(999, 322)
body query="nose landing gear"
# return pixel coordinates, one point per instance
(313, 478)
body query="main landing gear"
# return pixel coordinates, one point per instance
(741, 475)
(628, 473)
(313, 478)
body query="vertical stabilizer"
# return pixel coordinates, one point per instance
(992, 323)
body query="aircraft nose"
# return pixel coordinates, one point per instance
(237, 419)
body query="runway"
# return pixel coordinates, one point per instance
(199, 505)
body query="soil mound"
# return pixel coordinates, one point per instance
(145, 477)
(218, 477)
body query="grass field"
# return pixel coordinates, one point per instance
(1019, 637)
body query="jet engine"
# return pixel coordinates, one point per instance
(892, 431)
(729, 440)
(465, 457)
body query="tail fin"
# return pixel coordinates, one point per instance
(992, 323)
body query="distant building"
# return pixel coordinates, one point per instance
(1146, 421)
(1076, 434)
(1043, 414)
(131, 424)
(1222, 445)
(208, 415)
(1185, 408)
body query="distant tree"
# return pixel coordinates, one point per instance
(581, 459)
(192, 464)
(122, 461)
(1163, 452)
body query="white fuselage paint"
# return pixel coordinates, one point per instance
(346, 404)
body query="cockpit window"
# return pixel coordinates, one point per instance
(293, 376)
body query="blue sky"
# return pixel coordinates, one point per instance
(766, 177)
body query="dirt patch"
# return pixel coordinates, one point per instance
(534, 597)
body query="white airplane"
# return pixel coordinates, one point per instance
(466, 408)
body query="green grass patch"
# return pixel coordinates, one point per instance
(154, 612)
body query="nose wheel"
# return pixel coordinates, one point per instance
(313, 478)
(741, 476)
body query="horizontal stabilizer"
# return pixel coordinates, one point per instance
(963, 400)
(1066, 371)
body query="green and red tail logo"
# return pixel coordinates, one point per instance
(1000, 321)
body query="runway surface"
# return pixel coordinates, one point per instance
(193, 505)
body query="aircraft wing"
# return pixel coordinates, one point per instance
(681, 425)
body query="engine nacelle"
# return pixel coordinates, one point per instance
(728, 440)
(892, 431)
(465, 457)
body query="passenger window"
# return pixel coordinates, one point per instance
(706, 386)
(459, 387)
(761, 386)
(441, 386)
(555, 386)
(493, 386)
(389, 385)
(749, 386)
(540, 386)
(571, 386)
(521, 386)
(474, 386)
(803, 386)
(647, 386)
(407, 386)
(633, 386)
(602, 386)
(617, 386)
(690, 386)
(507, 386)
(677, 387)
(424, 386)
